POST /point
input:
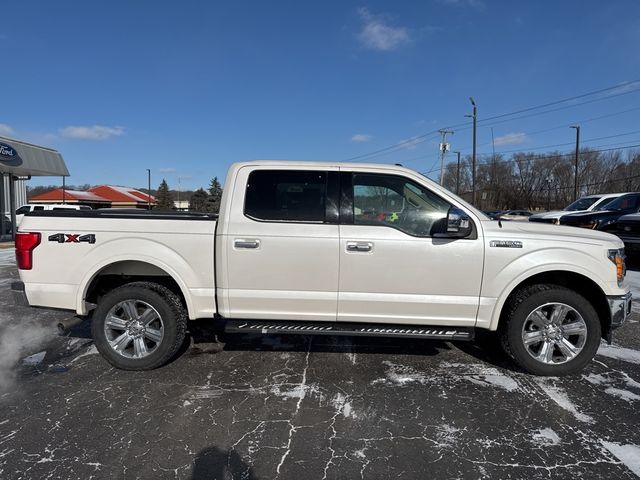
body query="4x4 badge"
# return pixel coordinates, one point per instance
(72, 238)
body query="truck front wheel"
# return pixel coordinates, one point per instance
(550, 330)
(139, 326)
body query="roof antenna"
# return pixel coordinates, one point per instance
(499, 222)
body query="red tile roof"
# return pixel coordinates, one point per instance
(121, 194)
(56, 195)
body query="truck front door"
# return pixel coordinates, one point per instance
(394, 265)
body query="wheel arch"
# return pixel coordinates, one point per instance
(572, 280)
(116, 272)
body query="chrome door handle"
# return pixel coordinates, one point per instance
(359, 246)
(242, 243)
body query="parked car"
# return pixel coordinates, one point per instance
(517, 215)
(602, 219)
(584, 204)
(628, 229)
(44, 207)
(296, 250)
(492, 214)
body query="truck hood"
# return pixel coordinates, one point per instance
(543, 231)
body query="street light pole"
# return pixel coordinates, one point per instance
(148, 189)
(474, 116)
(575, 185)
(458, 175)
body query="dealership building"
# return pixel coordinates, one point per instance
(19, 162)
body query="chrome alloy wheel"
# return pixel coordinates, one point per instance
(133, 328)
(554, 333)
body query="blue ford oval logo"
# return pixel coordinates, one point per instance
(9, 156)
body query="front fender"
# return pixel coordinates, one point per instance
(502, 278)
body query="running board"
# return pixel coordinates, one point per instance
(267, 327)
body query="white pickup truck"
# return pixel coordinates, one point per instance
(327, 248)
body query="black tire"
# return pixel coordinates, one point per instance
(527, 300)
(172, 316)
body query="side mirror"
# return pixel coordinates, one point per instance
(459, 224)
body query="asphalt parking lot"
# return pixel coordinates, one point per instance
(299, 407)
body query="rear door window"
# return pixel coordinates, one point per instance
(286, 196)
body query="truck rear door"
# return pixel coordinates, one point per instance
(280, 245)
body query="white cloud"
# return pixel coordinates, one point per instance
(5, 129)
(167, 170)
(361, 137)
(464, 3)
(93, 132)
(377, 34)
(511, 139)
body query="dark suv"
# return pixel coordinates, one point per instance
(604, 219)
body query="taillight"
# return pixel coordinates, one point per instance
(26, 242)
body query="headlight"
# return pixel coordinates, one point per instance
(592, 224)
(617, 257)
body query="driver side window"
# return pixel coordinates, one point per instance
(396, 202)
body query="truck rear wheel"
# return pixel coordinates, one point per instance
(139, 326)
(550, 330)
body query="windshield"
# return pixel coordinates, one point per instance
(582, 204)
(621, 203)
(604, 204)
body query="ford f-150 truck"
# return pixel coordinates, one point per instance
(327, 248)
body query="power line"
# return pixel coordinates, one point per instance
(554, 155)
(421, 138)
(564, 144)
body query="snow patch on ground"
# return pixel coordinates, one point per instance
(299, 391)
(342, 405)
(627, 454)
(475, 373)
(7, 257)
(400, 375)
(446, 435)
(482, 375)
(92, 350)
(619, 353)
(560, 397)
(623, 394)
(34, 359)
(607, 381)
(546, 436)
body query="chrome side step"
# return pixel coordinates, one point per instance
(267, 327)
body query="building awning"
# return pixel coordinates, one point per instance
(24, 159)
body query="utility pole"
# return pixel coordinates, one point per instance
(458, 175)
(575, 187)
(148, 189)
(444, 148)
(179, 190)
(64, 190)
(474, 116)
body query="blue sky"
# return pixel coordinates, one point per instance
(185, 88)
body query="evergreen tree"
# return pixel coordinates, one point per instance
(164, 197)
(198, 201)
(215, 196)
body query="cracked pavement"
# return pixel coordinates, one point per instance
(292, 407)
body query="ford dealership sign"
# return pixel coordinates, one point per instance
(9, 156)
